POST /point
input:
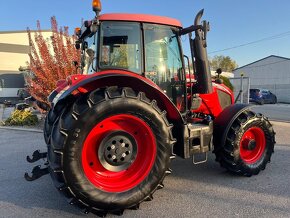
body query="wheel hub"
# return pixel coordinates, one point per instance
(249, 144)
(252, 145)
(117, 151)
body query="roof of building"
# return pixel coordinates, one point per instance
(142, 18)
(275, 56)
(22, 31)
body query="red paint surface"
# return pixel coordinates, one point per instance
(141, 18)
(210, 102)
(252, 156)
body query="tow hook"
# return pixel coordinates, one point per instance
(36, 156)
(37, 171)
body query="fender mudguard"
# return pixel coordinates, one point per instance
(136, 82)
(225, 120)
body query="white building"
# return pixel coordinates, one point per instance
(14, 50)
(271, 73)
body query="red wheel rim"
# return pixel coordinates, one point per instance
(252, 145)
(134, 171)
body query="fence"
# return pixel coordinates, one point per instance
(241, 89)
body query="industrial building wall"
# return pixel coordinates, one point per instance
(14, 50)
(271, 73)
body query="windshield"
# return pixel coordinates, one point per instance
(120, 46)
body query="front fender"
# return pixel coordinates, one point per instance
(122, 79)
(225, 120)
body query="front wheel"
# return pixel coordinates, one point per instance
(111, 150)
(249, 144)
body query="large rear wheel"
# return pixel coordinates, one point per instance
(110, 151)
(249, 144)
(50, 118)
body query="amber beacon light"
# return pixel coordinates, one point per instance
(77, 31)
(97, 5)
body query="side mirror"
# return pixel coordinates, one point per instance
(219, 80)
(78, 45)
(219, 72)
(94, 27)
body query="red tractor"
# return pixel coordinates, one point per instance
(113, 130)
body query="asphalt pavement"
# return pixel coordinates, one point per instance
(277, 112)
(204, 190)
(1, 112)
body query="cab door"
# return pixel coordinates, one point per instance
(163, 61)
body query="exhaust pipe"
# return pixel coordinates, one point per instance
(202, 67)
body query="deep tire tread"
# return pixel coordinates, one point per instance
(60, 135)
(228, 154)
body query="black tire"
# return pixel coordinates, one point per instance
(237, 155)
(48, 124)
(52, 116)
(262, 102)
(69, 143)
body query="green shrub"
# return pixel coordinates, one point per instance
(21, 118)
(227, 82)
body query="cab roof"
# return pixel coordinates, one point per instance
(145, 18)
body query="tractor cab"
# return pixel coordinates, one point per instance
(144, 44)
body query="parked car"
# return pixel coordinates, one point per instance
(262, 96)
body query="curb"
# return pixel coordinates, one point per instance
(21, 129)
(280, 121)
(41, 131)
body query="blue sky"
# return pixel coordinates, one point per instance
(233, 22)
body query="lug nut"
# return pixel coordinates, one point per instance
(114, 157)
(113, 146)
(123, 145)
(123, 155)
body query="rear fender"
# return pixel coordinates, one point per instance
(225, 120)
(137, 83)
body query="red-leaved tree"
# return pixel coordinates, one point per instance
(50, 60)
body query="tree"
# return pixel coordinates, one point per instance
(50, 60)
(224, 62)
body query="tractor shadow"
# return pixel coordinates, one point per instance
(209, 180)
